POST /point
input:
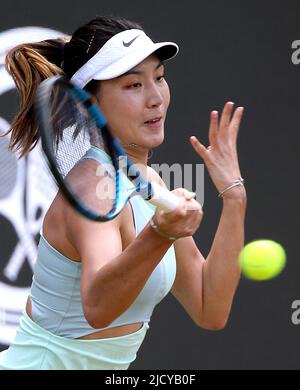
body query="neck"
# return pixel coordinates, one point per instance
(137, 154)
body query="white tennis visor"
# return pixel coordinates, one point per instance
(121, 53)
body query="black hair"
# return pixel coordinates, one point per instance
(88, 40)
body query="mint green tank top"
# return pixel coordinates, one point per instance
(55, 290)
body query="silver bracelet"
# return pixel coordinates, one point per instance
(155, 228)
(236, 183)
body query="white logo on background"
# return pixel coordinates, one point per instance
(296, 313)
(26, 190)
(296, 54)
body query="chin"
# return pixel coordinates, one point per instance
(156, 141)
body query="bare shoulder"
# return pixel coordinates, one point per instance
(98, 242)
(55, 226)
(83, 232)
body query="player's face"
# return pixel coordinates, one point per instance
(136, 103)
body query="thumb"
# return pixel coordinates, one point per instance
(197, 145)
(184, 193)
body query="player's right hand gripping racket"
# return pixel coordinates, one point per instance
(89, 164)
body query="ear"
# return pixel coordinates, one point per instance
(93, 88)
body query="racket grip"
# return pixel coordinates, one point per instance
(163, 198)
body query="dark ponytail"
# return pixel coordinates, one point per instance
(30, 64)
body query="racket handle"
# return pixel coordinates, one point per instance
(163, 198)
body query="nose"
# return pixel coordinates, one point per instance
(154, 96)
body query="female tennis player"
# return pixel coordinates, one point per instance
(96, 284)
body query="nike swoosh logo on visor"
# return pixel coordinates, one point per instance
(127, 44)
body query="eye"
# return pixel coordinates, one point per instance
(135, 85)
(160, 78)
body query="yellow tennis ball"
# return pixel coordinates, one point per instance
(262, 259)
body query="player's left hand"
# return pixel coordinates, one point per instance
(220, 157)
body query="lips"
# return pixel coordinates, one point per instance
(153, 121)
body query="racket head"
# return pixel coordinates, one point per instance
(84, 157)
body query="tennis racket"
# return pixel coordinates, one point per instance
(87, 161)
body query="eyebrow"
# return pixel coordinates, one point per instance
(139, 72)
